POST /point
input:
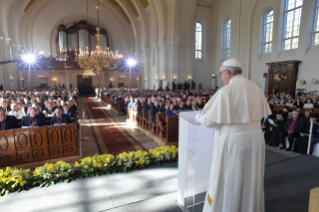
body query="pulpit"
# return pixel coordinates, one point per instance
(194, 160)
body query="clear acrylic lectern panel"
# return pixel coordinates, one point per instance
(194, 160)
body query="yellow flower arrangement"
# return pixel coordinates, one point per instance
(12, 180)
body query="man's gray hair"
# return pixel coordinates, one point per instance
(233, 70)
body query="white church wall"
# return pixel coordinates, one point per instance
(202, 67)
(253, 63)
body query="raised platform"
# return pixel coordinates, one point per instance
(288, 182)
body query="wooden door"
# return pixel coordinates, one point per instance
(85, 85)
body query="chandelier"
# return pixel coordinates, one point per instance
(98, 59)
(88, 74)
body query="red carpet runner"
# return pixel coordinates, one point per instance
(111, 138)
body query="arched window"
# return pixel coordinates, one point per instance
(199, 41)
(316, 26)
(227, 29)
(293, 10)
(268, 30)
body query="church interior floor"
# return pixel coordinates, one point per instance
(88, 143)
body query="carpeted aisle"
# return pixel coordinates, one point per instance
(110, 136)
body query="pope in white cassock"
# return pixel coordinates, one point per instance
(237, 173)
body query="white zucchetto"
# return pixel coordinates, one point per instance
(232, 62)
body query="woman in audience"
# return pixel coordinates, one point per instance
(308, 104)
(316, 106)
(289, 103)
(298, 103)
(169, 111)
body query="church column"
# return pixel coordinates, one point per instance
(67, 81)
(6, 56)
(164, 55)
(2, 80)
(173, 72)
(146, 75)
(190, 55)
(103, 79)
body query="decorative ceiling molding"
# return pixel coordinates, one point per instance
(29, 4)
(145, 3)
(131, 5)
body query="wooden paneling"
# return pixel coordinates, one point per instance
(283, 75)
(22, 146)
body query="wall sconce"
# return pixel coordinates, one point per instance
(213, 76)
(22, 79)
(137, 78)
(156, 78)
(111, 79)
(40, 76)
(54, 79)
(11, 78)
(189, 78)
(145, 79)
(163, 77)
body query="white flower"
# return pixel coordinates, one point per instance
(46, 175)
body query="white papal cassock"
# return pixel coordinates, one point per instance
(237, 173)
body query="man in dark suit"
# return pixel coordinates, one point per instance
(66, 111)
(33, 119)
(155, 109)
(292, 129)
(59, 118)
(301, 144)
(5, 123)
(147, 107)
(140, 106)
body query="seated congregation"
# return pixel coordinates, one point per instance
(20, 109)
(287, 128)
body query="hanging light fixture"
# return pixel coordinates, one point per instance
(98, 59)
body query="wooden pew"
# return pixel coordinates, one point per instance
(151, 125)
(146, 120)
(28, 145)
(171, 128)
(160, 124)
(140, 118)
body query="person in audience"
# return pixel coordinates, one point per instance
(39, 113)
(314, 141)
(66, 111)
(166, 106)
(50, 108)
(15, 111)
(72, 106)
(33, 119)
(292, 129)
(155, 109)
(272, 133)
(301, 142)
(170, 110)
(188, 104)
(316, 106)
(289, 103)
(22, 108)
(277, 101)
(58, 104)
(200, 104)
(59, 118)
(308, 104)
(5, 124)
(147, 107)
(5, 107)
(182, 105)
(194, 106)
(140, 106)
(298, 103)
